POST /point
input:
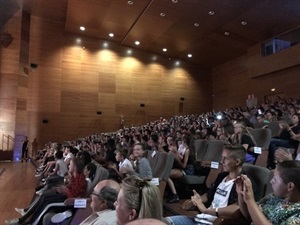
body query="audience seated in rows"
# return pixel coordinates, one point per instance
(75, 188)
(153, 136)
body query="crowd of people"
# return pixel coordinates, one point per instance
(68, 169)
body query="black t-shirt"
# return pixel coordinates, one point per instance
(246, 139)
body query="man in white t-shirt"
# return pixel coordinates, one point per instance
(121, 157)
(221, 198)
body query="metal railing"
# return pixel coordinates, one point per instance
(7, 142)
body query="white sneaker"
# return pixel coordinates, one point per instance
(12, 222)
(40, 192)
(21, 211)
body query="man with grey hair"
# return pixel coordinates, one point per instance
(102, 203)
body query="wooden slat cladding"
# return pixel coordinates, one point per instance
(72, 83)
(235, 80)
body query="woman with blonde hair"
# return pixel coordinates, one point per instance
(242, 137)
(137, 199)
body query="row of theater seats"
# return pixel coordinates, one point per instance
(80, 215)
(161, 164)
(211, 151)
(205, 153)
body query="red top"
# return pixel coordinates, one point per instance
(77, 187)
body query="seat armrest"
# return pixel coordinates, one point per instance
(70, 201)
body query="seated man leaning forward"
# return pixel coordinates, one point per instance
(222, 197)
(102, 203)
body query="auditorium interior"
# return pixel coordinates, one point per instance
(73, 68)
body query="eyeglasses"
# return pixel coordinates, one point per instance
(95, 194)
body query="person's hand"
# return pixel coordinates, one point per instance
(126, 169)
(239, 184)
(282, 155)
(296, 137)
(283, 125)
(61, 189)
(197, 201)
(247, 190)
(112, 166)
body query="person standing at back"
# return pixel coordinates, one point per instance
(25, 149)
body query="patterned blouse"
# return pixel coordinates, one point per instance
(77, 187)
(280, 212)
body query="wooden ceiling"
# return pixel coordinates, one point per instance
(175, 31)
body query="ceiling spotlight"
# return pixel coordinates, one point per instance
(211, 13)
(129, 52)
(177, 63)
(244, 23)
(82, 28)
(273, 89)
(111, 34)
(162, 14)
(190, 55)
(175, 1)
(105, 45)
(78, 40)
(196, 24)
(137, 42)
(154, 58)
(164, 49)
(226, 33)
(129, 2)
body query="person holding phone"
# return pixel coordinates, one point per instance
(287, 138)
(282, 207)
(221, 198)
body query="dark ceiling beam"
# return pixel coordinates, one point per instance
(137, 19)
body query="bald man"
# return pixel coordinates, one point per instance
(102, 203)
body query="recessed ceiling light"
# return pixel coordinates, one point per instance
(175, 1)
(105, 45)
(273, 89)
(190, 55)
(82, 28)
(177, 63)
(154, 58)
(129, 2)
(137, 42)
(164, 49)
(129, 52)
(78, 40)
(211, 13)
(196, 24)
(162, 14)
(111, 34)
(244, 23)
(226, 33)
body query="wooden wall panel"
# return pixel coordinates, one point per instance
(259, 65)
(234, 81)
(72, 83)
(107, 83)
(9, 80)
